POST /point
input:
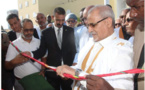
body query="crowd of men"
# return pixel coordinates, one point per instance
(99, 44)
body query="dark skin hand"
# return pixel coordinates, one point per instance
(43, 59)
(74, 64)
(42, 72)
(97, 83)
(19, 59)
(26, 52)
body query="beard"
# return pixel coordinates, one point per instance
(42, 24)
(94, 38)
(27, 37)
(59, 25)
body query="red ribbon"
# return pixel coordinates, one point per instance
(131, 71)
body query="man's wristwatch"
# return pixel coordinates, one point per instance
(77, 72)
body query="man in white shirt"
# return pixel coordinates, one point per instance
(14, 60)
(81, 34)
(104, 53)
(41, 21)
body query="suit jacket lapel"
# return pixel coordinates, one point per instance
(13, 36)
(64, 36)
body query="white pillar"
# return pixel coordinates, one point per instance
(121, 4)
(106, 2)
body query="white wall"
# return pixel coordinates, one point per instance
(121, 4)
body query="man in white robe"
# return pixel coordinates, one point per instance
(105, 53)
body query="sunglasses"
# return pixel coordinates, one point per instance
(129, 19)
(94, 24)
(119, 24)
(27, 30)
(72, 21)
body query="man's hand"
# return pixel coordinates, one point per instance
(19, 59)
(60, 70)
(74, 64)
(97, 83)
(42, 72)
(26, 52)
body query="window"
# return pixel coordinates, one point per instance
(33, 1)
(34, 14)
(27, 15)
(20, 6)
(26, 3)
(21, 17)
(68, 11)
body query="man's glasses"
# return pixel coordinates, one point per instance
(27, 30)
(129, 19)
(119, 24)
(94, 24)
(72, 21)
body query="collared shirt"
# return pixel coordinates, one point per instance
(109, 55)
(116, 30)
(39, 31)
(56, 31)
(18, 34)
(28, 67)
(61, 33)
(131, 39)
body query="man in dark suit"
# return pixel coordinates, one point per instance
(15, 25)
(59, 41)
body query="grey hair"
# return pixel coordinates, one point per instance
(25, 20)
(104, 11)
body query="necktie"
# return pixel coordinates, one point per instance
(59, 38)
